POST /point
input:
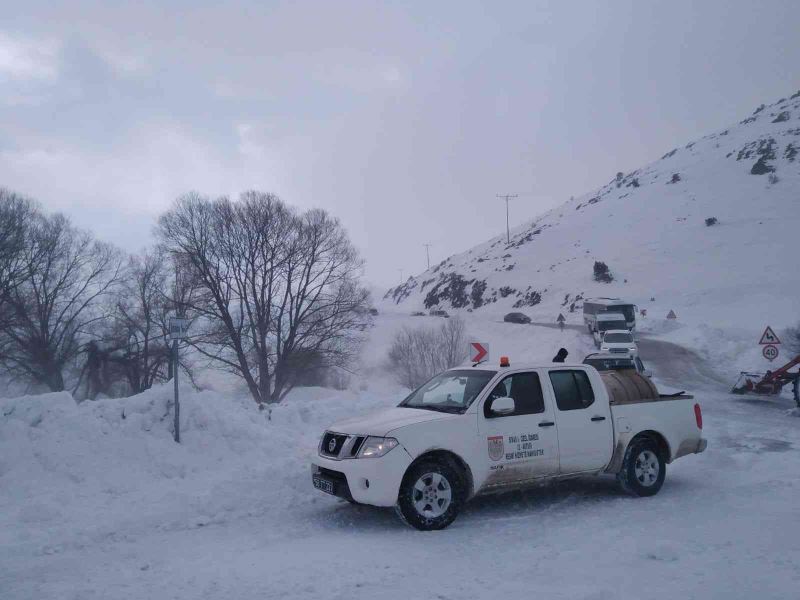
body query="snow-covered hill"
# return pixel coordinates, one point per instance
(649, 227)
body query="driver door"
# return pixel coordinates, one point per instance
(524, 444)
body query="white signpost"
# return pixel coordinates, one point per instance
(178, 328)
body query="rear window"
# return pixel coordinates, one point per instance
(572, 389)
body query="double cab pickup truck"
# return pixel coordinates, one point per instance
(477, 429)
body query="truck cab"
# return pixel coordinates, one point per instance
(476, 429)
(607, 322)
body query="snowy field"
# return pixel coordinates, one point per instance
(96, 501)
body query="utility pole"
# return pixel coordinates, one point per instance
(428, 254)
(401, 275)
(507, 197)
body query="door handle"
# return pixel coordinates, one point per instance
(598, 418)
(546, 424)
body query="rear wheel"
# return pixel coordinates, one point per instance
(643, 468)
(431, 495)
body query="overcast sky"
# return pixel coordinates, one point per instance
(404, 119)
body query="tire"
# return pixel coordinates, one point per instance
(643, 468)
(431, 495)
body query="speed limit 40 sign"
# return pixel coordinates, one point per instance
(770, 352)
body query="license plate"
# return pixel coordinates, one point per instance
(322, 484)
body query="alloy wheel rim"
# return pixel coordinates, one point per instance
(432, 495)
(646, 469)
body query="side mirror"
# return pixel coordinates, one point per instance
(503, 406)
(647, 373)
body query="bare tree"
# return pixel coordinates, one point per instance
(65, 276)
(416, 355)
(139, 324)
(16, 217)
(271, 286)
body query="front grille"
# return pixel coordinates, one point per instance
(332, 444)
(356, 446)
(620, 350)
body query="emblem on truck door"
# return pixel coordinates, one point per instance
(332, 445)
(495, 447)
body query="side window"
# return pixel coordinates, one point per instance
(524, 388)
(573, 389)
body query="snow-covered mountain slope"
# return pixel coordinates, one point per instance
(649, 227)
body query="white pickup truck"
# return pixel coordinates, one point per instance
(472, 430)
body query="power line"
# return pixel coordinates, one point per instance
(507, 198)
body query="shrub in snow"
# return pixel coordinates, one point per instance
(477, 293)
(416, 355)
(530, 298)
(782, 116)
(761, 167)
(602, 273)
(773, 179)
(451, 288)
(506, 291)
(711, 221)
(676, 177)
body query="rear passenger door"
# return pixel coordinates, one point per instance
(585, 431)
(524, 444)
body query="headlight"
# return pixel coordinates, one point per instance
(375, 447)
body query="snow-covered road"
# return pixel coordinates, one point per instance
(724, 526)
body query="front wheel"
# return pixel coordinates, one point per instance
(643, 468)
(431, 495)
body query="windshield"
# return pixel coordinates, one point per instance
(618, 338)
(609, 364)
(606, 325)
(451, 391)
(625, 309)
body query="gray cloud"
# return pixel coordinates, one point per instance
(404, 121)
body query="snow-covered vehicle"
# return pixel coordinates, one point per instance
(473, 430)
(618, 341)
(603, 361)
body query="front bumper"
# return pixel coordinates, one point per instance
(701, 445)
(374, 481)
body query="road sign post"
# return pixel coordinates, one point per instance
(178, 328)
(770, 343)
(478, 352)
